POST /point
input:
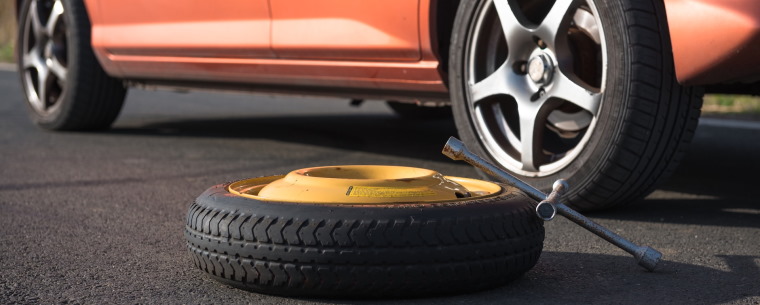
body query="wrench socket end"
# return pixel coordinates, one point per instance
(546, 210)
(648, 258)
(454, 149)
(560, 185)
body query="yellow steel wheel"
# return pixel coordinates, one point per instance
(363, 184)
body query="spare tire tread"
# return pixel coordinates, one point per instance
(362, 251)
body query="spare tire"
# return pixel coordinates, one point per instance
(386, 250)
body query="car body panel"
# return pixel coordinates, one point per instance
(715, 41)
(368, 45)
(376, 30)
(409, 66)
(193, 28)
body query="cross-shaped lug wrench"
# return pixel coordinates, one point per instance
(549, 206)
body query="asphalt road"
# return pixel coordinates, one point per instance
(98, 217)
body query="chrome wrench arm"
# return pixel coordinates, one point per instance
(645, 256)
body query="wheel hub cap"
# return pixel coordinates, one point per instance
(540, 69)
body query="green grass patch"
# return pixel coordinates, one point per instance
(726, 103)
(6, 53)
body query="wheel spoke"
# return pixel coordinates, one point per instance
(43, 82)
(494, 84)
(55, 15)
(33, 60)
(512, 24)
(501, 122)
(57, 69)
(559, 13)
(529, 141)
(502, 81)
(573, 92)
(30, 59)
(37, 27)
(39, 102)
(36, 102)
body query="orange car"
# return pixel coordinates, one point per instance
(603, 93)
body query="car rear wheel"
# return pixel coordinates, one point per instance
(580, 90)
(65, 87)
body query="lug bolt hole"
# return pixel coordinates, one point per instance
(539, 42)
(520, 67)
(539, 94)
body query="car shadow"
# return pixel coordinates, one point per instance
(717, 178)
(382, 134)
(714, 178)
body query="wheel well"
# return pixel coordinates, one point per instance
(442, 15)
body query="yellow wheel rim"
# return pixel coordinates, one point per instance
(363, 184)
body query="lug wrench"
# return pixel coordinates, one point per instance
(550, 205)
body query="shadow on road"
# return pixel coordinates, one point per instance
(578, 278)
(383, 134)
(715, 176)
(598, 277)
(718, 176)
(559, 274)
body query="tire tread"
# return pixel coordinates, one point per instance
(665, 110)
(362, 256)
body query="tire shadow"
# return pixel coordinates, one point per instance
(578, 278)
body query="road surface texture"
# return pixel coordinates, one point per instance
(97, 218)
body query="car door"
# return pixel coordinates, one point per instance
(187, 28)
(367, 30)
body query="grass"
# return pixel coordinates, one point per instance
(735, 106)
(6, 53)
(7, 30)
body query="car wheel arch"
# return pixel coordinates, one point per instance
(442, 15)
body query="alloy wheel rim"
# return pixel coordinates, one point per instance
(535, 72)
(44, 52)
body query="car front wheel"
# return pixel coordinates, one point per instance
(580, 90)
